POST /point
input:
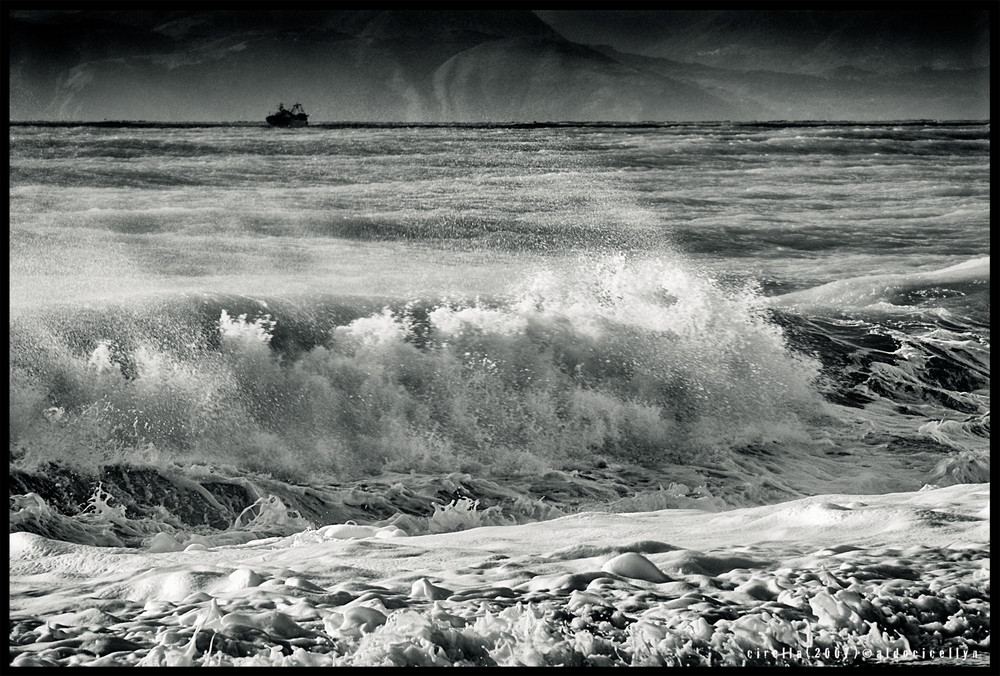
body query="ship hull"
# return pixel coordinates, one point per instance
(280, 121)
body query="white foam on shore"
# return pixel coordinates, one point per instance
(900, 571)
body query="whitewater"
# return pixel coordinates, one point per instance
(519, 395)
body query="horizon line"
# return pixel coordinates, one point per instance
(488, 123)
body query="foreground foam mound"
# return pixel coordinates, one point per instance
(831, 580)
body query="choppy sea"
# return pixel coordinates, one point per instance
(374, 323)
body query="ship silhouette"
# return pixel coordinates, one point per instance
(296, 117)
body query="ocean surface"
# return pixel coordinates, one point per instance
(557, 394)
(747, 312)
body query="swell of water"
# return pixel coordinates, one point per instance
(635, 361)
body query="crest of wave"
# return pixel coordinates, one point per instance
(633, 360)
(639, 359)
(704, 363)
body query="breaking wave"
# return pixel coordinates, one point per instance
(639, 361)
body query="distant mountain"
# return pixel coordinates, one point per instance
(423, 65)
(549, 79)
(846, 92)
(914, 36)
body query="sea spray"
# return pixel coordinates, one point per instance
(636, 360)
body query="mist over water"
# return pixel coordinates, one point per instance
(762, 310)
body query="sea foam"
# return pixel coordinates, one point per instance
(638, 360)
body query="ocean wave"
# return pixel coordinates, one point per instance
(640, 361)
(890, 291)
(632, 362)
